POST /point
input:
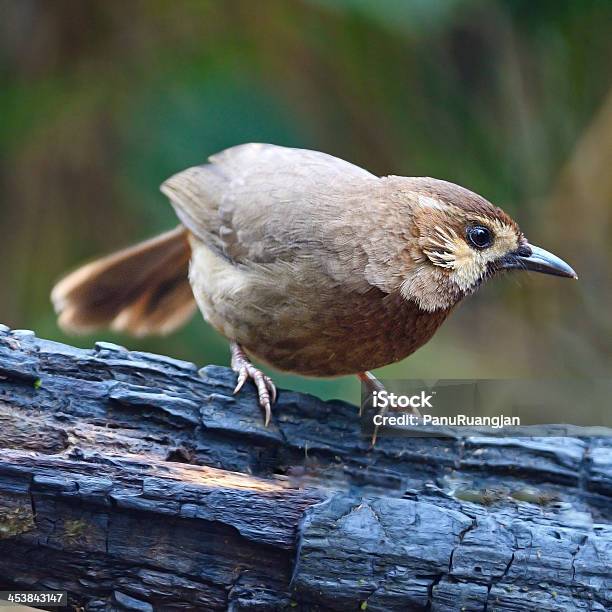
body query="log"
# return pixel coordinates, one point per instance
(135, 483)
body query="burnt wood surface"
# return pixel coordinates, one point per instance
(134, 483)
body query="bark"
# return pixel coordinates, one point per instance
(134, 483)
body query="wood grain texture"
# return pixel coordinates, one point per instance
(135, 484)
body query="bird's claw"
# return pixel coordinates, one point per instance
(243, 374)
(266, 389)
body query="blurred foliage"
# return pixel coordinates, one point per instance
(101, 100)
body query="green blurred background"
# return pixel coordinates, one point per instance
(101, 100)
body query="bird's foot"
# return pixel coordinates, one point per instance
(373, 384)
(266, 390)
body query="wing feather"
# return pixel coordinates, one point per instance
(260, 203)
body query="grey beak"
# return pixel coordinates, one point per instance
(533, 258)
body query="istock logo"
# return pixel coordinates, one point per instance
(384, 399)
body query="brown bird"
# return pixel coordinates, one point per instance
(304, 261)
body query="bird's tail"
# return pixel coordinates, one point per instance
(141, 290)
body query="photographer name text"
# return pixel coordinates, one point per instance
(497, 421)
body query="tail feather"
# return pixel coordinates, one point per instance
(141, 290)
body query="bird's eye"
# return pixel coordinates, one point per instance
(479, 236)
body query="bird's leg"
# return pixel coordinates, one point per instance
(373, 384)
(245, 370)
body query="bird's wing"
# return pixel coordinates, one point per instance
(260, 203)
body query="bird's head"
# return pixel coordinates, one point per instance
(462, 240)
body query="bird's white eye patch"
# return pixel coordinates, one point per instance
(505, 238)
(467, 257)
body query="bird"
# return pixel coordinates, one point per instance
(303, 261)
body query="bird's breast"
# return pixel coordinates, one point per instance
(353, 334)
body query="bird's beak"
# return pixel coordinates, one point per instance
(533, 258)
